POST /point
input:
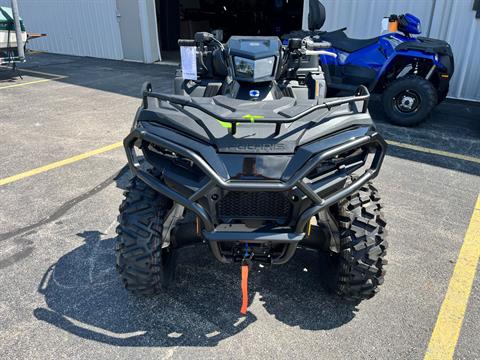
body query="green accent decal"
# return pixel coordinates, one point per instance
(225, 124)
(252, 118)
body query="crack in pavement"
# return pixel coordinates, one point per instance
(65, 207)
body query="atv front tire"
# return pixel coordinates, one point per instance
(409, 100)
(356, 272)
(144, 266)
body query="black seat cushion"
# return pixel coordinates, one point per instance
(341, 41)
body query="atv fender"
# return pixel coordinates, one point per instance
(412, 54)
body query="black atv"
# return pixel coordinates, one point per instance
(254, 161)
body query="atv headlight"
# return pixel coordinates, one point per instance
(254, 69)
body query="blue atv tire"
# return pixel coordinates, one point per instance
(409, 100)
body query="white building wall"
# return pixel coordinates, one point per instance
(455, 22)
(363, 18)
(90, 28)
(74, 27)
(450, 20)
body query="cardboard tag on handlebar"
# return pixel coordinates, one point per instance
(188, 55)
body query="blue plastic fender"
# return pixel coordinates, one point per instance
(378, 56)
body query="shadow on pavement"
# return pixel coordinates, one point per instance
(85, 297)
(294, 295)
(118, 77)
(8, 75)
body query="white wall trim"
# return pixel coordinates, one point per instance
(149, 55)
(306, 4)
(157, 40)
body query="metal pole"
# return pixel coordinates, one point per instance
(18, 30)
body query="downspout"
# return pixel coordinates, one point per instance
(434, 5)
(156, 32)
(18, 30)
(306, 7)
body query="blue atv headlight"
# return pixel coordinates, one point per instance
(409, 24)
(419, 28)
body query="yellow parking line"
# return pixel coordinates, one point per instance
(434, 151)
(39, 72)
(32, 71)
(449, 322)
(32, 82)
(60, 163)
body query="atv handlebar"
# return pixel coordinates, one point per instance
(290, 55)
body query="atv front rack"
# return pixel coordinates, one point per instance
(362, 94)
(213, 235)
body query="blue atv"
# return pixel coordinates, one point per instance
(411, 73)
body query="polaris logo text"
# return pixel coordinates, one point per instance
(258, 148)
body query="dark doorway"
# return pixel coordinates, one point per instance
(182, 18)
(168, 23)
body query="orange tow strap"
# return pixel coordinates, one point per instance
(243, 310)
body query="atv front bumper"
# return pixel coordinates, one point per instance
(309, 192)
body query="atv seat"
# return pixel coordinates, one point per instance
(341, 41)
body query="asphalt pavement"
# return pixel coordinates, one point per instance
(61, 298)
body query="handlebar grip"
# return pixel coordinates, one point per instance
(186, 42)
(322, 44)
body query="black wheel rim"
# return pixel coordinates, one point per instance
(407, 102)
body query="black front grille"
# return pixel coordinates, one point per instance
(262, 205)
